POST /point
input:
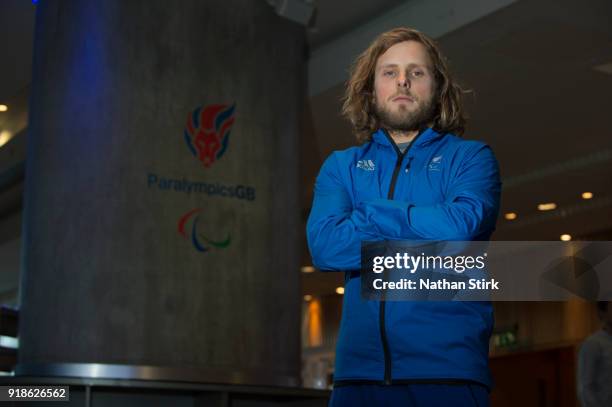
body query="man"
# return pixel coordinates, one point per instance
(595, 363)
(412, 178)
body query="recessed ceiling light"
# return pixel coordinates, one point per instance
(5, 136)
(549, 206)
(587, 195)
(565, 237)
(3, 108)
(340, 290)
(308, 269)
(307, 297)
(510, 216)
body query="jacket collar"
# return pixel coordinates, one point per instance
(425, 136)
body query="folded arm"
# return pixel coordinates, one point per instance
(334, 230)
(469, 211)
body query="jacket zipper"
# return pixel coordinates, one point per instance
(390, 194)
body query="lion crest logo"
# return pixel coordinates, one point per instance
(207, 132)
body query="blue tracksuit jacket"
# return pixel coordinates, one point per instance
(441, 188)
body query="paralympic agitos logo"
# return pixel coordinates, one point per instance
(189, 227)
(207, 132)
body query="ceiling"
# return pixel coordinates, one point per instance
(336, 18)
(16, 39)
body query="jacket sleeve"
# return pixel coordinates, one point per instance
(468, 212)
(334, 230)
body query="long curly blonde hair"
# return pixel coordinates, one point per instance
(358, 101)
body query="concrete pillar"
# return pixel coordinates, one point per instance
(161, 205)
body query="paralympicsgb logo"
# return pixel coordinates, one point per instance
(207, 132)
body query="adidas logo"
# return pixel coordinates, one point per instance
(367, 165)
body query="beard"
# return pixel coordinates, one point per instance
(403, 119)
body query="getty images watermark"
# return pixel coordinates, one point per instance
(477, 271)
(412, 264)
